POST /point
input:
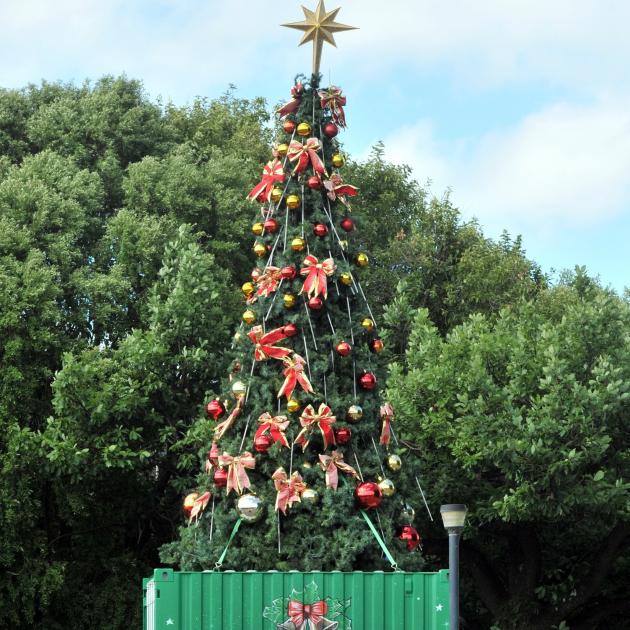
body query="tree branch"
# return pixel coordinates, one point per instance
(489, 586)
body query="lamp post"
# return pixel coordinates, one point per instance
(454, 517)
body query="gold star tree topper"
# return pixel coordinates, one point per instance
(319, 27)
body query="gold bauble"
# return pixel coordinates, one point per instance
(338, 160)
(249, 508)
(258, 228)
(237, 336)
(248, 289)
(310, 496)
(239, 389)
(394, 463)
(282, 149)
(354, 413)
(289, 300)
(260, 249)
(346, 278)
(293, 201)
(387, 487)
(343, 244)
(298, 244)
(293, 405)
(249, 317)
(307, 465)
(362, 260)
(276, 194)
(304, 129)
(368, 324)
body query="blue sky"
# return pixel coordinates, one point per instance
(520, 107)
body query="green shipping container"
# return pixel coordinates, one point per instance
(295, 601)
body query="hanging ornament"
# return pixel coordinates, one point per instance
(330, 130)
(298, 244)
(304, 129)
(288, 489)
(199, 505)
(387, 487)
(256, 273)
(336, 189)
(368, 324)
(334, 100)
(282, 149)
(289, 300)
(223, 427)
(310, 496)
(293, 405)
(343, 348)
(293, 375)
(347, 224)
(316, 273)
(376, 345)
(258, 228)
(354, 414)
(305, 154)
(321, 419)
(345, 278)
(408, 514)
(262, 443)
(247, 289)
(239, 389)
(260, 249)
(368, 495)
(276, 194)
(315, 303)
(293, 201)
(212, 461)
(271, 225)
(367, 381)
(268, 281)
(249, 508)
(237, 478)
(272, 173)
(338, 160)
(409, 535)
(189, 501)
(320, 229)
(387, 417)
(362, 260)
(343, 244)
(314, 182)
(215, 409)
(274, 427)
(220, 478)
(288, 126)
(331, 464)
(293, 105)
(290, 329)
(237, 336)
(343, 435)
(264, 347)
(289, 272)
(394, 463)
(249, 317)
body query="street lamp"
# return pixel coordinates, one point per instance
(454, 517)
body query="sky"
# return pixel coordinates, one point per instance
(519, 108)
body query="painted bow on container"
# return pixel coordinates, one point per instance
(387, 416)
(331, 464)
(222, 427)
(263, 343)
(300, 614)
(334, 100)
(305, 153)
(268, 281)
(199, 506)
(336, 189)
(237, 479)
(322, 419)
(272, 173)
(296, 96)
(212, 461)
(316, 273)
(294, 374)
(289, 490)
(275, 426)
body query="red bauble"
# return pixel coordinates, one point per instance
(343, 435)
(256, 273)
(271, 226)
(320, 229)
(263, 443)
(316, 303)
(367, 381)
(330, 130)
(347, 224)
(368, 495)
(261, 197)
(410, 535)
(376, 345)
(290, 330)
(288, 273)
(215, 409)
(220, 477)
(189, 501)
(288, 126)
(314, 183)
(343, 348)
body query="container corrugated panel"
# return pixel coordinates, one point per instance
(295, 601)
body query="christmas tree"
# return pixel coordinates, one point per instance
(301, 466)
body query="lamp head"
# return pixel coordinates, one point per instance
(453, 516)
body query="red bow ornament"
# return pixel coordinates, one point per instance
(305, 153)
(296, 97)
(199, 506)
(334, 100)
(221, 428)
(268, 281)
(237, 479)
(387, 416)
(263, 343)
(302, 614)
(294, 374)
(316, 273)
(275, 425)
(323, 420)
(330, 464)
(272, 173)
(288, 490)
(335, 188)
(213, 458)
